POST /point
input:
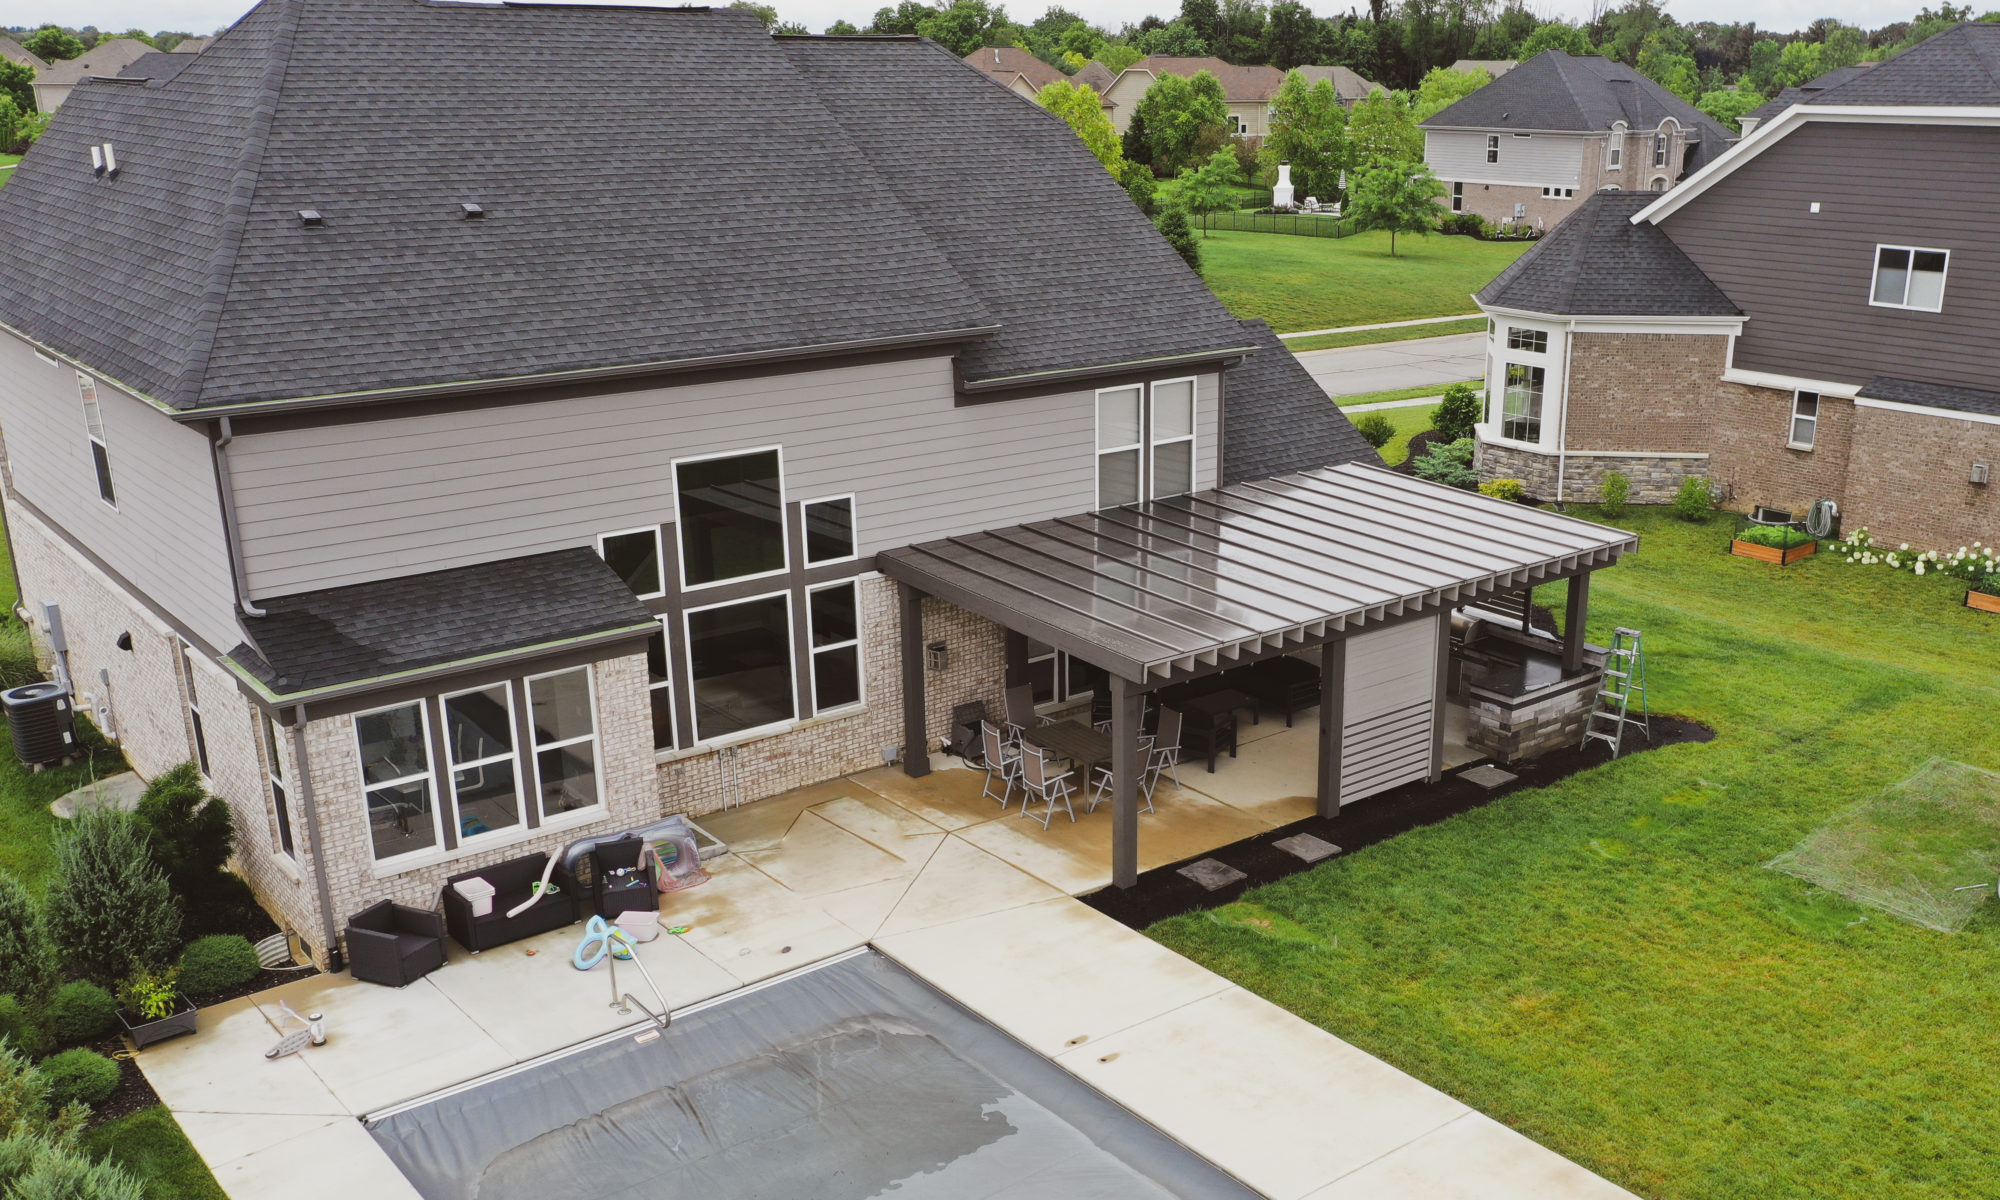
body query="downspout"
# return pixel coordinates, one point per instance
(332, 939)
(1562, 424)
(232, 541)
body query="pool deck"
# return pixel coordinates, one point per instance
(979, 904)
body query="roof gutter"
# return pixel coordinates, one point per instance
(1032, 378)
(231, 538)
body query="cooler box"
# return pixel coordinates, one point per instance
(478, 893)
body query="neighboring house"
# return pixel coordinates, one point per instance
(1530, 146)
(1808, 318)
(1801, 94)
(478, 494)
(1095, 76)
(106, 59)
(191, 45)
(1247, 90)
(1496, 67)
(1015, 69)
(157, 67)
(14, 52)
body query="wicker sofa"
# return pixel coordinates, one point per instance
(513, 881)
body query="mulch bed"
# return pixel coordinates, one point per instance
(1420, 445)
(1163, 892)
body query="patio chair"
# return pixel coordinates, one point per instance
(1003, 762)
(1101, 786)
(393, 944)
(1044, 786)
(1164, 753)
(1021, 715)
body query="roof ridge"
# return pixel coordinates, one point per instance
(1561, 63)
(236, 205)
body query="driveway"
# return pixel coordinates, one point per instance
(1351, 370)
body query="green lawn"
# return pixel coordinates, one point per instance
(151, 1145)
(1324, 283)
(1368, 337)
(1408, 393)
(1606, 966)
(1408, 423)
(7, 160)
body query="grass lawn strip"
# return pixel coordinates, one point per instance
(1607, 966)
(1299, 283)
(1408, 393)
(1408, 422)
(1369, 337)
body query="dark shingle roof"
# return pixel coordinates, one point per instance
(326, 639)
(1095, 76)
(1597, 263)
(1277, 419)
(1931, 395)
(1022, 210)
(709, 192)
(158, 66)
(1557, 91)
(1959, 67)
(1806, 93)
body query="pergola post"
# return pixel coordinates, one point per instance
(1332, 722)
(1127, 704)
(1575, 613)
(1440, 697)
(1017, 658)
(910, 622)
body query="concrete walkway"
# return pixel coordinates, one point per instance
(975, 901)
(1387, 366)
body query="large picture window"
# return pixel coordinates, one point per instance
(740, 664)
(1521, 408)
(635, 557)
(1119, 446)
(660, 690)
(1172, 437)
(394, 745)
(562, 713)
(1909, 277)
(479, 740)
(836, 645)
(274, 772)
(732, 517)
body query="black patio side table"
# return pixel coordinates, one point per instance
(1208, 723)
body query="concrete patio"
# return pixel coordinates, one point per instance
(976, 902)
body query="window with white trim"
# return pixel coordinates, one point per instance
(1493, 147)
(740, 666)
(732, 516)
(485, 768)
(1559, 193)
(394, 745)
(1534, 341)
(1909, 277)
(1458, 197)
(833, 614)
(1659, 150)
(1171, 431)
(562, 712)
(829, 530)
(634, 556)
(196, 732)
(1805, 420)
(274, 775)
(93, 424)
(1145, 449)
(1521, 406)
(660, 690)
(1120, 447)
(1614, 151)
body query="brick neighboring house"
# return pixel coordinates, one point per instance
(1248, 91)
(1809, 318)
(1530, 146)
(483, 492)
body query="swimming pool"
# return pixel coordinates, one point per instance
(846, 1080)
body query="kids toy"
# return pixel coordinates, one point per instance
(600, 938)
(311, 1031)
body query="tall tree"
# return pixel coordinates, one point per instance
(1557, 36)
(1291, 35)
(901, 20)
(1380, 132)
(965, 26)
(1079, 107)
(1503, 38)
(1674, 72)
(1309, 130)
(1117, 56)
(1397, 197)
(1728, 105)
(1178, 39)
(1242, 37)
(1205, 18)
(17, 80)
(1176, 112)
(1443, 87)
(1799, 62)
(51, 43)
(842, 28)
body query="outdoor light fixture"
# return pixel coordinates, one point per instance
(125, 641)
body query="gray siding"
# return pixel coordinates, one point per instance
(165, 536)
(1540, 160)
(1803, 278)
(347, 503)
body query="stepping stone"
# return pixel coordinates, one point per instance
(1212, 873)
(120, 791)
(1488, 777)
(1307, 847)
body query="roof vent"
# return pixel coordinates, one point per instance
(311, 216)
(103, 160)
(472, 211)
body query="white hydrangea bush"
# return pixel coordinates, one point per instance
(1977, 564)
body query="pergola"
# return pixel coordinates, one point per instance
(1167, 591)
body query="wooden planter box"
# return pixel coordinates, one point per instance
(1773, 554)
(1982, 601)
(145, 1033)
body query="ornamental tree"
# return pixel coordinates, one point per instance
(1309, 130)
(1079, 107)
(1399, 197)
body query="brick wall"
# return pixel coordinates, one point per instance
(1912, 479)
(1753, 464)
(1496, 201)
(1643, 392)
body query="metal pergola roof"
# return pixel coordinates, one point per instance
(1180, 586)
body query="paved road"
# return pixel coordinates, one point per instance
(1352, 370)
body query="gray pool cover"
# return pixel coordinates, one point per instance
(852, 1080)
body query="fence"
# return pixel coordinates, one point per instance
(1296, 224)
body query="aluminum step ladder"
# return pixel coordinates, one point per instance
(1624, 682)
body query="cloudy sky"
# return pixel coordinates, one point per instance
(203, 16)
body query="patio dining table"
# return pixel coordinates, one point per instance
(1072, 740)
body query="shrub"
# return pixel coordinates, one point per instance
(110, 909)
(191, 834)
(27, 958)
(151, 995)
(1463, 223)
(1174, 225)
(83, 1076)
(1375, 429)
(1456, 414)
(212, 964)
(1504, 489)
(60, 1171)
(1449, 463)
(80, 1011)
(1140, 183)
(22, 1028)
(1693, 502)
(1612, 492)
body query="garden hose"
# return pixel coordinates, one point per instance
(1820, 518)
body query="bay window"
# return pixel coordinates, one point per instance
(833, 613)
(396, 780)
(1521, 408)
(732, 517)
(562, 716)
(740, 666)
(479, 741)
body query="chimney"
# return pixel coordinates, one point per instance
(1281, 195)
